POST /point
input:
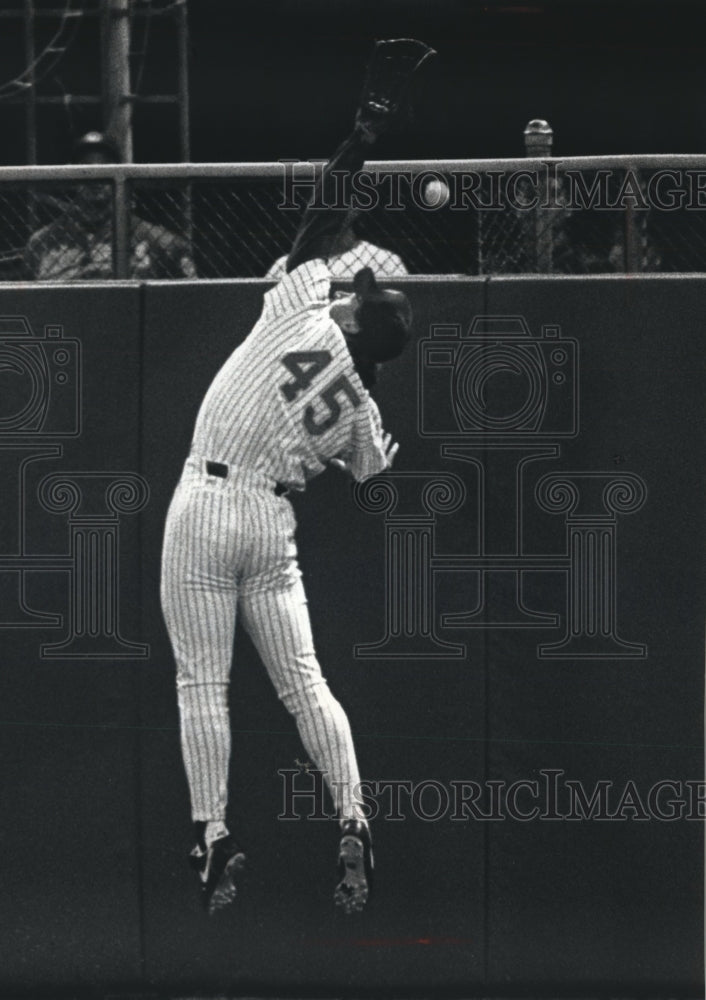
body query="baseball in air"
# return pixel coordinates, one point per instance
(435, 193)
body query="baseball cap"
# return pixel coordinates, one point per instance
(96, 144)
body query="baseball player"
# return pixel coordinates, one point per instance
(290, 400)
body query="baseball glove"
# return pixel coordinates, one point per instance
(388, 75)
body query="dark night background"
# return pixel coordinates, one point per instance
(280, 78)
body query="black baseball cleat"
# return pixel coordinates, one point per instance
(218, 868)
(355, 867)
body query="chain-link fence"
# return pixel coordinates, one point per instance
(550, 216)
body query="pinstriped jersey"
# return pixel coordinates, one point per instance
(288, 399)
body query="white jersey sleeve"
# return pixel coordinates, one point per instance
(366, 456)
(306, 286)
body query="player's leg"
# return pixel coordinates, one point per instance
(278, 622)
(199, 599)
(275, 613)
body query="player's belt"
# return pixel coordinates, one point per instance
(222, 471)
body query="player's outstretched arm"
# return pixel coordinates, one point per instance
(321, 226)
(388, 75)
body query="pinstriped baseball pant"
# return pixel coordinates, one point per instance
(230, 550)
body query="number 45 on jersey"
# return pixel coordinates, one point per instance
(304, 366)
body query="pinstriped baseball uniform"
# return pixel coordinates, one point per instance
(286, 401)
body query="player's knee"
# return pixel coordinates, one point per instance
(195, 698)
(310, 698)
(198, 668)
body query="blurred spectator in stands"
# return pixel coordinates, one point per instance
(647, 256)
(78, 245)
(351, 254)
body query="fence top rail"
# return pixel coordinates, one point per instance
(303, 168)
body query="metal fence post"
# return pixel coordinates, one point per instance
(184, 132)
(538, 144)
(632, 235)
(121, 227)
(117, 99)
